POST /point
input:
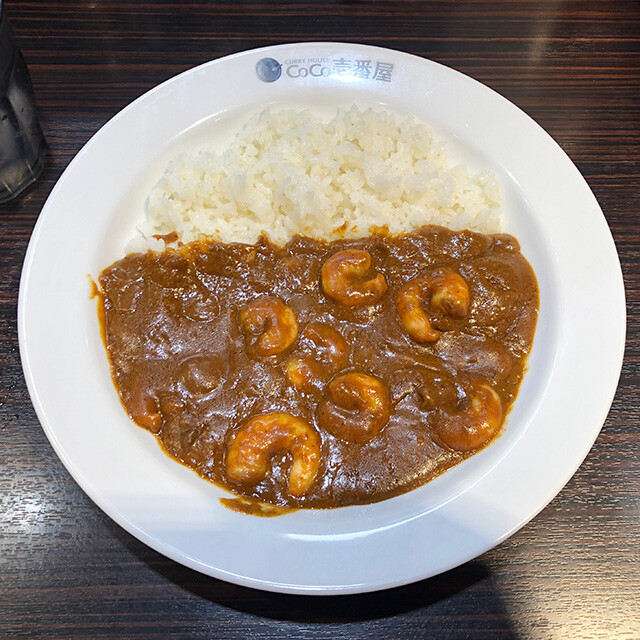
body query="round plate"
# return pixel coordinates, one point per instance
(564, 399)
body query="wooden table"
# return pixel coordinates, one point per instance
(67, 571)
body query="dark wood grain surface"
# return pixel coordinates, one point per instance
(67, 571)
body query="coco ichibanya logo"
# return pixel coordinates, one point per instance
(270, 70)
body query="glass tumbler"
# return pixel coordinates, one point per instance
(22, 143)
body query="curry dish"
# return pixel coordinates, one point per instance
(322, 374)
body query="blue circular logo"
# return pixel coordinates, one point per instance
(268, 69)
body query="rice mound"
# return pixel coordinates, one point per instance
(289, 172)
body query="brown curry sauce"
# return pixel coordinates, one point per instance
(178, 353)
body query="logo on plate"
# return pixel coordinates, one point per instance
(268, 69)
(347, 70)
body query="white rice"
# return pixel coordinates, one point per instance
(291, 172)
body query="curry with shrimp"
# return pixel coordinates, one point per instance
(322, 374)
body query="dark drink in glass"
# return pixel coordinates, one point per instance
(22, 144)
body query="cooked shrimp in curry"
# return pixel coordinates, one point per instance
(256, 442)
(357, 407)
(347, 278)
(269, 324)
(329, 353)
(442, 290)
(474, 425)
(322, 374)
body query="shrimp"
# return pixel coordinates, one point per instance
(306, 372)
(254, 444)
(475, 425)
(346, 278)
(357, 409)
(329, 341)
(444, 290)
(271, 323)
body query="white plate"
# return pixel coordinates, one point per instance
(566, 394)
